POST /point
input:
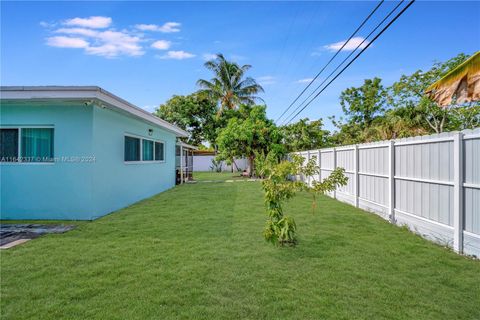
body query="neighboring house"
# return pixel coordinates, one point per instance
(79, 153)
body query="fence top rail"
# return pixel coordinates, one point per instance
(327, 150)
(346, 148)
(440, 137)
(373, 146)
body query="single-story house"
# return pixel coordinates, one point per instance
(78, 153)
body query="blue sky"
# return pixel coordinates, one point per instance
(145, 52)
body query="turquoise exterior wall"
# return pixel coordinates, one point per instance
(73, 190)
(117, 184)
(60, 190)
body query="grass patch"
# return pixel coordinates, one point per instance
(216, 176)
(197, 252)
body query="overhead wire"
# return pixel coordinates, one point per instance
(331, 59)
(355, 58)
(344, 60)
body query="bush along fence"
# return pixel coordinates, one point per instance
(429, 183)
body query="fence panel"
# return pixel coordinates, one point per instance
(429, 183)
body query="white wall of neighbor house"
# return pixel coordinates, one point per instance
(429, 183)
(204, 163)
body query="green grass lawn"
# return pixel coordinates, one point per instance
(216, 176)
(197, 252)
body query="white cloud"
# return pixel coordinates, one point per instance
(95, 22)
(167, 27)
(108, 43)
(78, 31)
(114, 43)
(209, 56)
(177, 55)
(266, 80)
(306, 80)
(96, 37)
(161, 44)
(67, 42)
(350, 46)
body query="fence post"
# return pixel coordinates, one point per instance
(334, 167)
(355, 175)
(319, 165)
(458, 192)
(391, 181)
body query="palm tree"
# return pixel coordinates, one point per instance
(229, 88)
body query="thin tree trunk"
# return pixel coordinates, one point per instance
(251, 164)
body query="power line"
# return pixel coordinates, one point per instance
(344, 60)
(331, 59)
(355, 58)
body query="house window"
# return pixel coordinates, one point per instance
(159, 151)
(141, 150)
(132, 149)
(34, 145)
(37, 144)
(147, 150)
(9, 145)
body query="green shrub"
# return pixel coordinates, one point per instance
(279, 186)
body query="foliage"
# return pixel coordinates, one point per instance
(361, 105)
(402, 110)
(216, 165)
(264, 161)
(469, 66)
(305, 135)
(247, 133)
(229, 87)
(279, 187)
(193, 113)
(409, 92)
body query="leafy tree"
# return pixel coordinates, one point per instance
(361, 105)
(193, 113)
(229, 87)
(247, 133)
(305, 135)
(347, 133)
(409, 92)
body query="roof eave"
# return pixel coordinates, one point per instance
(87, 93)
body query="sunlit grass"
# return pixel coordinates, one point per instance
(197, 252)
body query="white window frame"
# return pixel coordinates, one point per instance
(153, 150)
(19, 151)
(141, 161)
(164, 151)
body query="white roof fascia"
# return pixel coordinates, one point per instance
(86, 93)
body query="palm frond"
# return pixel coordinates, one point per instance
(205, 84)
(469, 66)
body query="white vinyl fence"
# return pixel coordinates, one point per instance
(204, 163)
(429, 183)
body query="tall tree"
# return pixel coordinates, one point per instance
(193, 113)
(409, 92)
(249, 134)
(305, 135)
(229, 87)
(361, 105)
